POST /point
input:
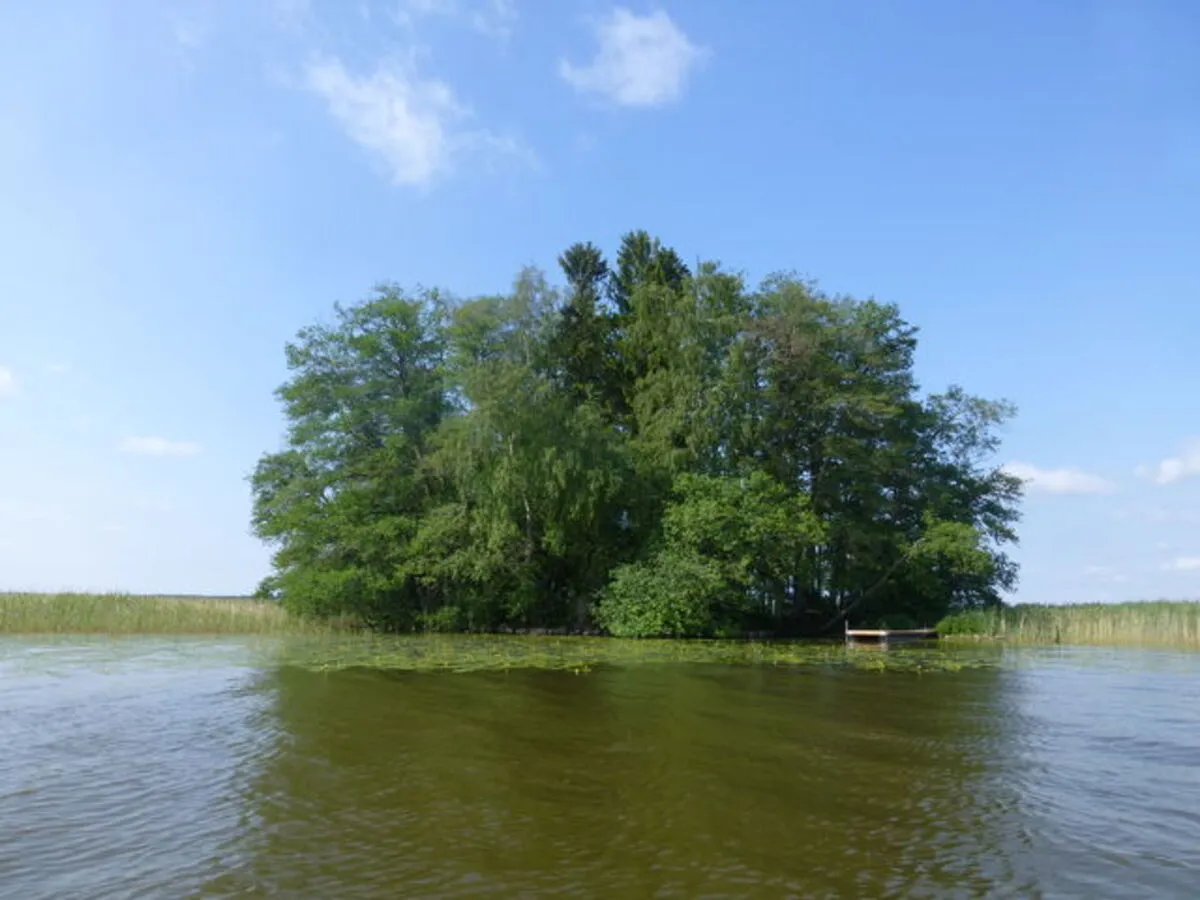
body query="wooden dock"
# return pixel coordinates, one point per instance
(887, 636)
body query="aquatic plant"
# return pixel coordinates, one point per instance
(116, 613)
(1162, 622)
(480, 653)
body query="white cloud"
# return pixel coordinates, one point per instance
(407, 12)
(1175, 468)
(1160, 515)
(495, 19)
(8, 382)
(190, 34)
(1183, 564)
(1058, 481)
(157, 446)
(192, 30)
(411, 124)
(291, 15)
(641, 60)
(491, 18)
(401, 119)
(58, 368)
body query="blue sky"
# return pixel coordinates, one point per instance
(186, 183)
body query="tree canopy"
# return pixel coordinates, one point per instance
(649, 449)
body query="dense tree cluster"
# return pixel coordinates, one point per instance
(650, 450)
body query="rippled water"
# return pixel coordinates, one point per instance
(148, 768)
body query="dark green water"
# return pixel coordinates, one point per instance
(148, 769)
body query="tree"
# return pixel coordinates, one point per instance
(582, 344)
(723, 559)
(530, 474)
(663, 450)
(641, 260)
(365, 398)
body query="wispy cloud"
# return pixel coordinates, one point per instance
(641, 61)
(492, 18)
(192, 30)
(402, 119)
(190, 34)
(408, 11)
(158, 446)
(1183, 564)
(291, 15)
(1160, 515)
(1174, 468)
(413, 125)
(495, 19)
(8, 382)
(1058, 481)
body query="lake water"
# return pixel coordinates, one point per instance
(170, 769)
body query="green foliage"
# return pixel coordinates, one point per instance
(672, 594)
(726, 549)
(972, 623)
(341, 502)
(658, 450)
(1150, 623)
(448, 619)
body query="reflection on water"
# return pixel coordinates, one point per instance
(192, 769)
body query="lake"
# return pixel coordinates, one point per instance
(150, 768)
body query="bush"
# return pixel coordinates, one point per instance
(670, 595)
(445, 620)
(974, 622)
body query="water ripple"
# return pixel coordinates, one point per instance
(146, 769)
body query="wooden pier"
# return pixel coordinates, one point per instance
(883, 637)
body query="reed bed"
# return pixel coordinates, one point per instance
(1152, 623)
(1165, 623)
(70, 613)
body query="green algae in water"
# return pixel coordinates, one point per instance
(460, 653)
(50, 655)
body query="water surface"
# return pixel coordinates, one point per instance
(193, 768)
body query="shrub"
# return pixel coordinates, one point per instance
(669, 595)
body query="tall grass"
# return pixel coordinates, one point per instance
(1164, 623)
(1158, 623)
(135, 614)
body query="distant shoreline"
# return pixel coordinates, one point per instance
(1163, 623)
